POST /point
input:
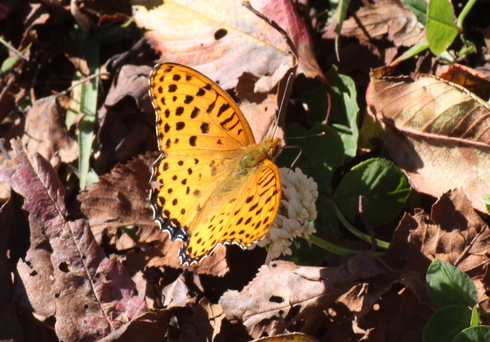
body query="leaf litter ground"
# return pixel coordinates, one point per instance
(92, 265)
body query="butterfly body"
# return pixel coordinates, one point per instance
(212, 184)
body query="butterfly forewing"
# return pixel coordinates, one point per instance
(193, 113)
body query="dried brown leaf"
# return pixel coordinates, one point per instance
(46, 133)
(127, 119)
(149, 327)
(65, 273)
(437, 132)
(120, 199)
(398, 317)
(176, 294)
(206, 321)
(283, 292)
(385, 18)
(454, 232)
(476, 82)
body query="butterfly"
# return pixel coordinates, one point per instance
(212, 183)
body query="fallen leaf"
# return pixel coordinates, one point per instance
(437, 132)
(13, 330)
(206, 321)
(454, 232)
(373, 21)
(283, 292)
(149, 326)
(398, 316)
(46, 133)
(476, 82)
(120, 199)
(177, 294)
(127, 118)
(226, 47)
(293, 337)
(207, 39)
(65, 273)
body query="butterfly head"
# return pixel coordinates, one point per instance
(272, 147)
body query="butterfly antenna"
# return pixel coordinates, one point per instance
(288, 87)
(297, 156)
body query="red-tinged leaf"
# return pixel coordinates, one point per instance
(223, 38)
(65, 273)
(471, 79)
(437, 132)
(283, 12)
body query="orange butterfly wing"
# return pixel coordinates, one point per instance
(213, 183)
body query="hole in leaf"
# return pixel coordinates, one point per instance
(220, 34)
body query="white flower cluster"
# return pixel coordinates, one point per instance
(296, 213)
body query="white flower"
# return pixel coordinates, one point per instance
(296, 213)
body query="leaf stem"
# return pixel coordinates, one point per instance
(333, 248)
(464, 12)
(362, 236)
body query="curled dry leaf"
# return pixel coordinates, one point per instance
(120, 199)
(46, 133)
(437, 132)
(454, 232)
(473, 80)
(205, 322)
(149, 326)
(127, 119)
(385, 18)
(283, 292)
(65, 273)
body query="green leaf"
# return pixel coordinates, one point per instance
(418, 7)
(342, 12)
(446, 323)
(319, 156)
(480, 333)
(441, 27)
(384, 188)
(414, 50)
(10, 62)
(475, 316)
(316, 103)
(345, 110)
(84, 104)
(486, 198)
(449, 286)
